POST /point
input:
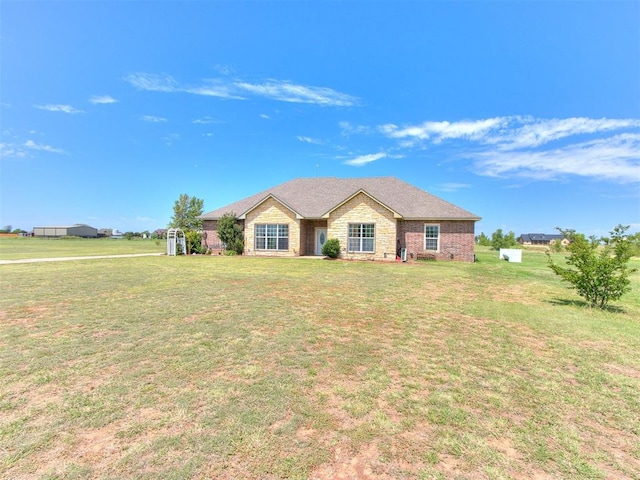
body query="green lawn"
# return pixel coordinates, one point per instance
(17, 248)
(240, 367)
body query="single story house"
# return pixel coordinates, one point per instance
(373, 219)
(541, 239)
(77, 230)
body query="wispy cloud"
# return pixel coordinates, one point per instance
(439, 131)
(453, 187)
(170, 139)
(290, 92)
(153, 119)
(11, 150)
(348, 129)
(30, 144)
(59, 108)
(313, 141)
(152, 82)
(21, 150)
(205, 121)
(531, 147)
(279, 90)
(102, 99)
(615, 158)
(364, 159)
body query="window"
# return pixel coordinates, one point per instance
(361, 237)
(272, 236)
(432, 237)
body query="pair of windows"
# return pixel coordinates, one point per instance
(361, 237)
(272, 236)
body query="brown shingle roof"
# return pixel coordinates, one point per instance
(316, 197)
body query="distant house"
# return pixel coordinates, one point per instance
(78, 230)
(104, 232)
(541, 239)
(372, 218)
(160, 233)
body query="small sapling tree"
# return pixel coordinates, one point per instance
(597, 267)
(230, 233)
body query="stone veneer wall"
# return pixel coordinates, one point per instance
(363, 209)
(456, 239)
(272, 211)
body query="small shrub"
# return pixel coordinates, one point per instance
(598, 268)
(331, 248)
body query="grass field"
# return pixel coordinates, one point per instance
(19, 248)
(234, 367)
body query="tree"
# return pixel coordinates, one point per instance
(185, 212)
(600, 273)
(483, 240)
(230, 233)
(499, 240)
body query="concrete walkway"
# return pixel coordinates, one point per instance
(64, 259)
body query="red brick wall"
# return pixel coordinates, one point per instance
(210, 237)
(456, 239)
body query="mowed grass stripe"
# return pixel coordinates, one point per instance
(215, 367)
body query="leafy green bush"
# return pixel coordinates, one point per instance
(600, 272)
(194, 242)
(331, 248)
(231, 234)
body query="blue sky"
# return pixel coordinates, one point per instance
(524, 113)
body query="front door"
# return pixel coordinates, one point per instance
(321, 237)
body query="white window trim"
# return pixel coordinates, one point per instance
(373, 238)
(266, 237)
(437, 250)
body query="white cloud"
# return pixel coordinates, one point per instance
(205, 121)
(265, 116)
(11, 150)
(290, 92)
(30, 144)
(233, 89)
(170, 139)
(102, 99)
(153, 119)
(152, 82)
(313, 141)
(535, 132)
(59, 108)
(452, 187)
(364, 159)
(21, 150)
(439, 131)
(616, 158)
(507, 146)
(348, 129)
(214, 89)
